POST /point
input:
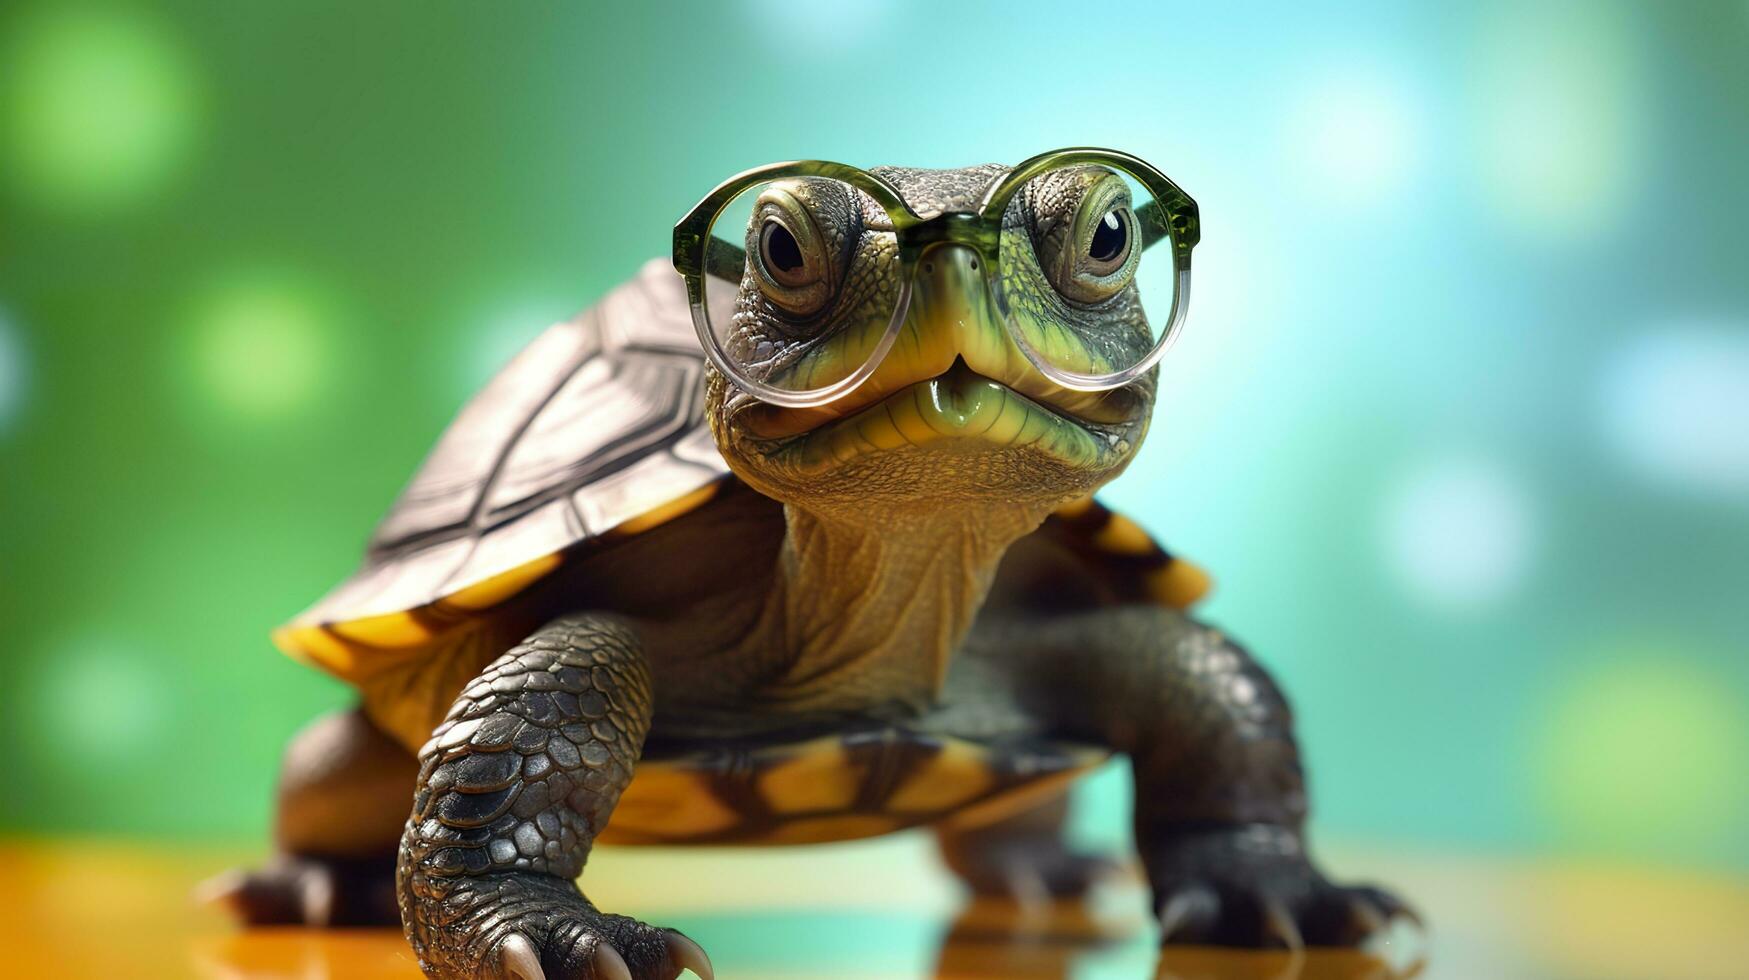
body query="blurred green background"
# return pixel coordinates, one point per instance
(1460, 422)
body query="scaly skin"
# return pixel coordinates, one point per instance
(900, 503)
(513, 788)
(1220, 798)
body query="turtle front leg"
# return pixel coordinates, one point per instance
(1220, 798)
(513, 788)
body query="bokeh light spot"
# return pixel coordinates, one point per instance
(102, 697)
(98, 107)
(1675, 406)
(1459, 533)
(1354, 132)
(823, 29)
(12, 372)
(260, 344)
(1562, 115)
(1643, 753)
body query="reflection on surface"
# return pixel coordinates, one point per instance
(978, 945)
(382, 954)
(1064, 941)
(991, 940)
(1198, 963)
(305, 954)
(90, 909)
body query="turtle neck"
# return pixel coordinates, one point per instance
(869, 607)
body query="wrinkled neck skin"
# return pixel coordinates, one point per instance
(870, 604)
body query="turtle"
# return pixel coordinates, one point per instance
(625, 601)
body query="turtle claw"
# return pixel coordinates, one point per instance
(316, 899)
(1279, 927)
(688, 955)
(609, 965)
(518, 959)
(1393, 907)
(221, 890)
(1260, 916)
(1033, 873)
(540, 927)
(1226, 888)
(1370, 912)
(1365, 918)
(1188, 913)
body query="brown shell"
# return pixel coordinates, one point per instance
(858, 783)
(595, 431)
(596, 427)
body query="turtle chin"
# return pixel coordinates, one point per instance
(955, 437)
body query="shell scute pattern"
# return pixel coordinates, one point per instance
(837, 787)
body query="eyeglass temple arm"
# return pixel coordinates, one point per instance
(724, 260)
(1156, 222)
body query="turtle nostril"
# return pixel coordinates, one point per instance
(974, 262)
(928, 268)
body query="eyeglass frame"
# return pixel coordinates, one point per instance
(1171, 215)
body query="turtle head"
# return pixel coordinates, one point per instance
(955, 412)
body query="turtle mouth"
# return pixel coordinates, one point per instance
(958, 386)
(958, 410)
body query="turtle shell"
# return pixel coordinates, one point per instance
(594, 432)
(858, 783)
(596, 429)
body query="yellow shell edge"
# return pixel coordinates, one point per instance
(1180, 584)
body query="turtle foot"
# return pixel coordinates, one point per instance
(1253, 886)
(308, 891)
(527, 927)
(1035, 873)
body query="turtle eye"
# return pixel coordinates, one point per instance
(782, 254)
(1100, 266)
(1110, 244)
(1086, 236)
(789, 254)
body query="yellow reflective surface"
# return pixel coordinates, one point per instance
(884, 910)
